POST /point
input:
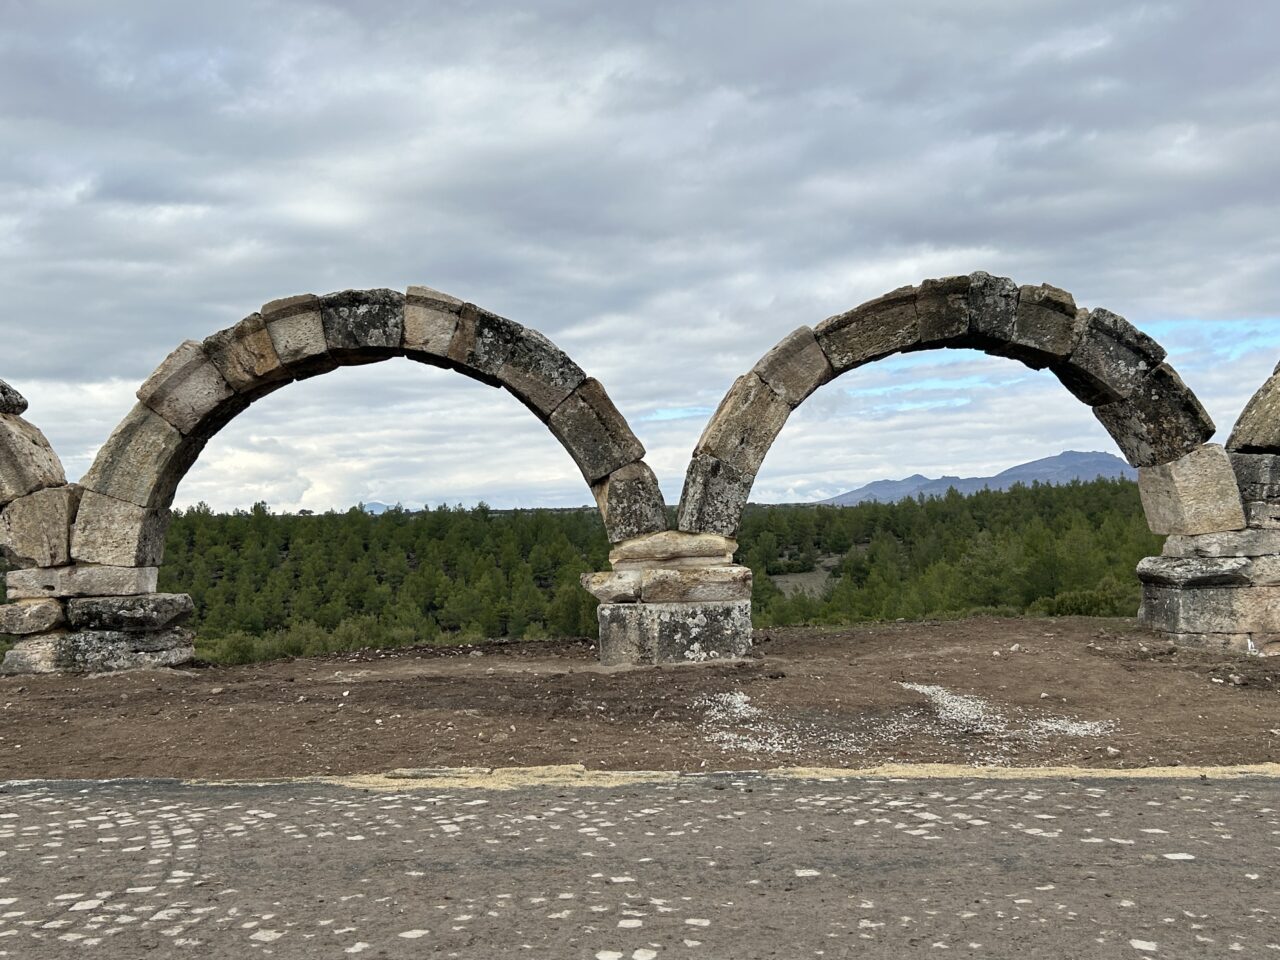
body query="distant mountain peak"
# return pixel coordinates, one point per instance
(1064, 468)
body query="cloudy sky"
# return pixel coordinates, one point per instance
(664, 188)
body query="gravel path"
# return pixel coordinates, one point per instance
(719, 866)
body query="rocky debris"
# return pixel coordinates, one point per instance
(1258, 475)
(630, 502)
(246, 357)
(80, 582)
(430, 322)
(1242, 543)
(876, 329)
(748, 420)
(137, 614)
(673, 632)
(795, 367)
(942, 307)
(1258, 429)
(99, 651)
(297, 333)
(118, 533)
(696, 585)
(35, 530)
(671, 548)
(186, 388)
(594, 432)
(1161, 421)
(363, 325)
(1111, 361)
(1233, 642)
(143, 461)
(11, 401)
(23, 617)
(1194, 494)
(27, 462)
(714, 496)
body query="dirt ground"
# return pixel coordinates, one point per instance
(1093, 693)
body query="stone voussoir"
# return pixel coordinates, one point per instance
(143, 460)
(118, 533)
(795, 367)
(1194, 494)
(186, 388)
(141, 613)
(1047, 326)
(942, 306)
(363, 325)
(875, 329)
(246, 357)
(430, 322)
(27, 461)
(594, 432)
(744, 426)
(80, 581)
(11, 401)
(993, 308)
(1258, 429)
(1161, 421)
(296, 329)
(23, 617)
(630, 502)
(35, 530)
(1111, 361)
(714, 496)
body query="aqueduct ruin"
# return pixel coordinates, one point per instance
(85, 600)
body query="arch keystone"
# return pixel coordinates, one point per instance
(362, 326)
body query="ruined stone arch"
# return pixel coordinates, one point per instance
(200, 387)
(1102, 359)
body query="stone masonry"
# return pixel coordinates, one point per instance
(83, 595)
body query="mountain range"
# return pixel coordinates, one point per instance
(1064, 468)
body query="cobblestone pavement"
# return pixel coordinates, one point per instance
(720, 866)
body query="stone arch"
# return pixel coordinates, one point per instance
(1102, 359)
(200, 387)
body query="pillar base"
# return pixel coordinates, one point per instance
(695, 632)
(1214, 602)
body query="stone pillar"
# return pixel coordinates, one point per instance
(673, 598)
(1217, 583)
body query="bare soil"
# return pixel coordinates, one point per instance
(1093, 693)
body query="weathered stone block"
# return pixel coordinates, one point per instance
(707, 584)
(1046, 327)
(146, 612)
(748, 420)
(1258, 475)
(714, 496)
(668, 547)
(23, 617)
(363, 325)
(186, 388)
(630, 502)
(1196, 571)
(1211, 609)
(495, 349)
(594, 432)
(99, 651)
(1242, 543)
(11, 401)
(616, 587)
(1193, 494)
(795, 367)
(118, 533)
(1258, 429)
(143, 461)
(246, 357)
(297, 333)
(80, 582)
(35, 530)
(943, 309)
(993, 308)
(873, 330)
(1111, 361)
(27, 462)
(1161, 421)
(673, 632)
(430, 322)
(1263, 516)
